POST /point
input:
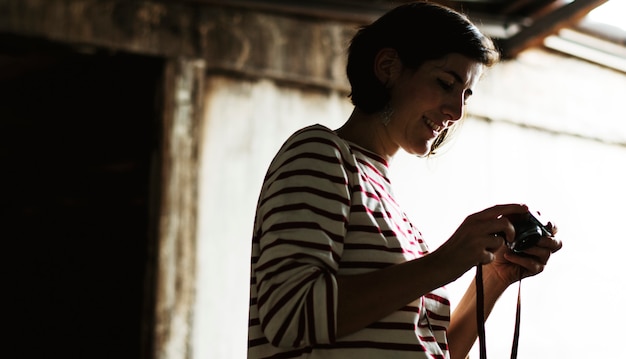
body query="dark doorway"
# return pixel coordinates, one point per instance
(78, 146)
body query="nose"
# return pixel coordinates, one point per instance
(454, 109)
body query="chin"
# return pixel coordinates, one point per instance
(419, 148)
(420, 152)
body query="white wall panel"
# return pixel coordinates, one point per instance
(573, 177)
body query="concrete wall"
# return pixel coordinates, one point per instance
(545, 130)
(246, 123)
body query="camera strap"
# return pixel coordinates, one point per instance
(480, 315)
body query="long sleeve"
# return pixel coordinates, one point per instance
(301, 224)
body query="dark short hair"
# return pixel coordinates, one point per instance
(419, 32)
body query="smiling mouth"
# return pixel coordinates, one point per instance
(433, 126)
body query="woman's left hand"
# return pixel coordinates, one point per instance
(511, 267)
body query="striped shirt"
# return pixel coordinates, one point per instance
(326, 208)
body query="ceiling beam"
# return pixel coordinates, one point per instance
(515, 6)
(545, 26)
(359, 12)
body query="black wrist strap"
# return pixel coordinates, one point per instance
(480, 312)
(517, 320)
(480, 315)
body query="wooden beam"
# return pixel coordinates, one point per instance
(356, 11)
(176, 247)
(546, 25)
(515, 6)
(294, 49)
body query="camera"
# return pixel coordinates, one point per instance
(529, 228)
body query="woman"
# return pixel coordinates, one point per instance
(338, 270)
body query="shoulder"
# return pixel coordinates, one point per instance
(316, 134)
(317, 143)
(309, 155)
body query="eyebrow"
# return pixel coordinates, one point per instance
(456, 76)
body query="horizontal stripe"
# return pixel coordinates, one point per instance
(310, 173)
(326, 208)
(376, 345)
(304, 225)
(306, 207)
(301, 190)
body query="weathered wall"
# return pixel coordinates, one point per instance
(545, 129)
(246, 123)
(298, 51)
(247, 42)
(528, 139)
(556, 93)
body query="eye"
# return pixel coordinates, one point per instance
(447, 86)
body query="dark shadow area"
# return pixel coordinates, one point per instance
(78, 139)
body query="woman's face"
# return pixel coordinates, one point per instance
(430, 99)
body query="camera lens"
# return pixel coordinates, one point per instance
(526, 237)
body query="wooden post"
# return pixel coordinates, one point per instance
(176, 243)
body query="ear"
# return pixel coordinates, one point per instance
(387, 65)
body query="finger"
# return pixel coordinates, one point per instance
(493, 242)
(489, 245)
(530, 264)
(502, 210)
(551, 243)
(552, 228)
(528, 267)
(502, 227)
(539, 254)
(543, 249)
(487, 257)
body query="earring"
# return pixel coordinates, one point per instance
(386, 114)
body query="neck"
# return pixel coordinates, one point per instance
(369, 132)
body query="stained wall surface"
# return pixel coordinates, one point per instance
(544, 129)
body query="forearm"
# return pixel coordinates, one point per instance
(366, 298)
(463, 330)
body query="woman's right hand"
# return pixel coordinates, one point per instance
(480, 236)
